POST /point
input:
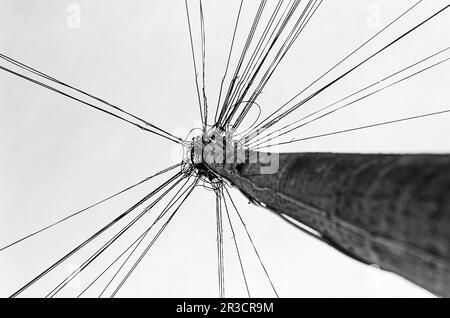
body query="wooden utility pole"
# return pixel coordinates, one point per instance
(389, 210)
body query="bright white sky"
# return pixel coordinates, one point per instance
(58, 156)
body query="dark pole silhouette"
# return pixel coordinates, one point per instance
(389, 210)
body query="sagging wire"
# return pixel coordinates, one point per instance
(153, 240)
(345, 74)
(89, 207)
(219, 241)
(142, 125)
(235, 243)
(195, 66)
(95, 235)
(252, 243)
(135, 243)
(265, 139)
(261, 126)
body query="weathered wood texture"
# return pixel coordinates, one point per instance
(389, 210)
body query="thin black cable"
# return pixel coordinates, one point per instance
(356, 100)
(168, 206)
(50, 78)
(357, 128)
(250, 69)
(280, 56)
(228, 61)
(88, 208)
(301, 24)
(253, 103)
(256, 72)
(178, 141)
(138, 241)
(236, 246)
(340, 62)
(247, 141)
(153, 241)
(283, 20)
(84, 243)
(241, 59)
(257, 53)
(203, 41)
(278, 118)
(194, 64)
(259, 64)
(251, 241)
(105, 246)
(219, 241)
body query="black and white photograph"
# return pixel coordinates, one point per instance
(218, 150)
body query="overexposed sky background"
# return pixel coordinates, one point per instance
(58, 156)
